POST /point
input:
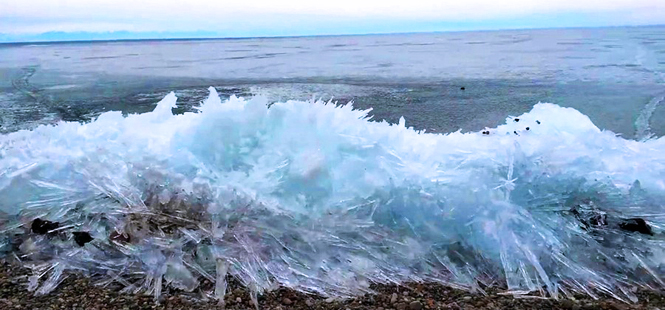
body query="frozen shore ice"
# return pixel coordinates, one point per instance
(316, 197)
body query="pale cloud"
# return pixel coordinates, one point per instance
(29, 16)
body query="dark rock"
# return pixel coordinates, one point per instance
(415, 305)
(82, 237)
(527, 128)
(400, 306)
(538, 122)
(42, 227)
(636, 225)
(287, 301)
(516, 119)
(462, 88)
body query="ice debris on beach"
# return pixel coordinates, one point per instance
(318, 198)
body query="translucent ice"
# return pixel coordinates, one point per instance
(315, 197)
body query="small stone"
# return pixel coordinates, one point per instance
(393, 298)
(415, 305)
(82, 237)
(330, 299)
(400, 306)
(467, 298)
(567, 304)
(238, 300)
(309, 302)
(636, 225)
(452, 305)
(287, 301)
(405, 293)
(42, 227)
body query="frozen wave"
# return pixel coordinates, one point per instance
(315, 197)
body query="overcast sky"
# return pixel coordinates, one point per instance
(298, 17)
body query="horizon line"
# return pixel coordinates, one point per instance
(211, 38)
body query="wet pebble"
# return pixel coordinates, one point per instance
(415, 305)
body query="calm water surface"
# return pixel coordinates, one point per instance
(616, 76)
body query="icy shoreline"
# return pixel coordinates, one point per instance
(314, 197)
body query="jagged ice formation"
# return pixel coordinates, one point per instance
(315, 197)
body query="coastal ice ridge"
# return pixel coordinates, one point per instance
(316, 197)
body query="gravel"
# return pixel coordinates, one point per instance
(78, 292)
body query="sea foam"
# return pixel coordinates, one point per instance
(316, 197)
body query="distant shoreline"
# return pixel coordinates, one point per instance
(179, 37)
